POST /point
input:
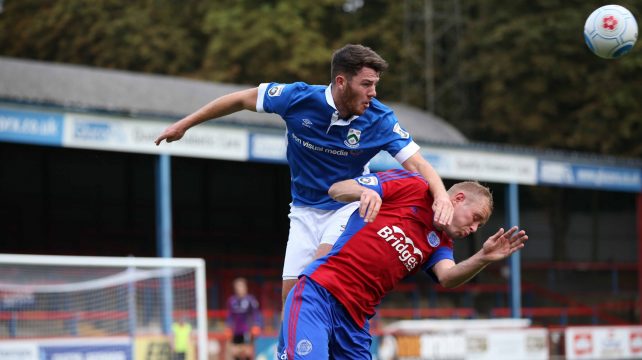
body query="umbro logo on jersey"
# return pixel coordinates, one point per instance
(306, 122)
(401, 132)
(352, 140)
(276, 90)
(403, 245)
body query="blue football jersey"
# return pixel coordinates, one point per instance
(322, 148)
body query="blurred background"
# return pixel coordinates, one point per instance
(510, 82)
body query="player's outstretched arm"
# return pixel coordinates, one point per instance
(441, 206)
(499, 246)
(225, 105)
(349, 190)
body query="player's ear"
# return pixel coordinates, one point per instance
(340, 81)
(460, 197)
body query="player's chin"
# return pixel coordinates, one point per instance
(452, 233)
(361, 108)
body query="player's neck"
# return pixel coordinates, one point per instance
(343, 112)
(342, 109)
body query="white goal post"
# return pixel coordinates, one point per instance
(73, 300)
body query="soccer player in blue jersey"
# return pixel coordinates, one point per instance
(332, 133)
(326, 313)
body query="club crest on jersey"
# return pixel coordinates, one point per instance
(304, 347)
(369, 180)
(352, 140)
(403, 245)
(401, 132)
(433, 239)
(276, 90)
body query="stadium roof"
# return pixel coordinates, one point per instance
(137, 94)
(77, 87)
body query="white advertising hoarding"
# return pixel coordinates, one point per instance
(18, 350)
(509, 344)
(483, 166)
(128, 135)
(603, 342)
(478, 339)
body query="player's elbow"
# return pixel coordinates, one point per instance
(449, 283)
(332, 191)
(446, 276)
(346, 191)
(335, 191)
(248, 98)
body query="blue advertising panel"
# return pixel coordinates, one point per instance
(590, 176)
(268, 148)
(31, 127)
(102, 352)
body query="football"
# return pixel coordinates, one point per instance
(610, 31)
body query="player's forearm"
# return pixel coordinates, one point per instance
(462, 272)
(346, 191)
(437, 187)
(224, 105)
(418, 164)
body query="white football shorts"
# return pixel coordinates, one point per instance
(310, 227)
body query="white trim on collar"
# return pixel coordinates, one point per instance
(328, 96)
(335, 117)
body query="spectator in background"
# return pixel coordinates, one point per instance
(243, 321)
(181, 331)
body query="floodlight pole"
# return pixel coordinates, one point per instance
(164, 233)
(638, 223)
(512, 219)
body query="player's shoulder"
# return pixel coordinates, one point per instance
(380, 110)
(305, 87)
(301, 91)
(382, 117)
(275, 89)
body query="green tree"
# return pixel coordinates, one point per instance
(538, 85)
(290, 40)
(149, 36)
(251, 41)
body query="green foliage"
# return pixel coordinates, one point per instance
(267, 40)
(540, 86)
(287, 40)
(138, 35)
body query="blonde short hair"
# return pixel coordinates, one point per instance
(476, 189)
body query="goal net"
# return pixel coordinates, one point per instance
(101, 307)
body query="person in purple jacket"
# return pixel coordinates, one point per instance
(243, 321)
